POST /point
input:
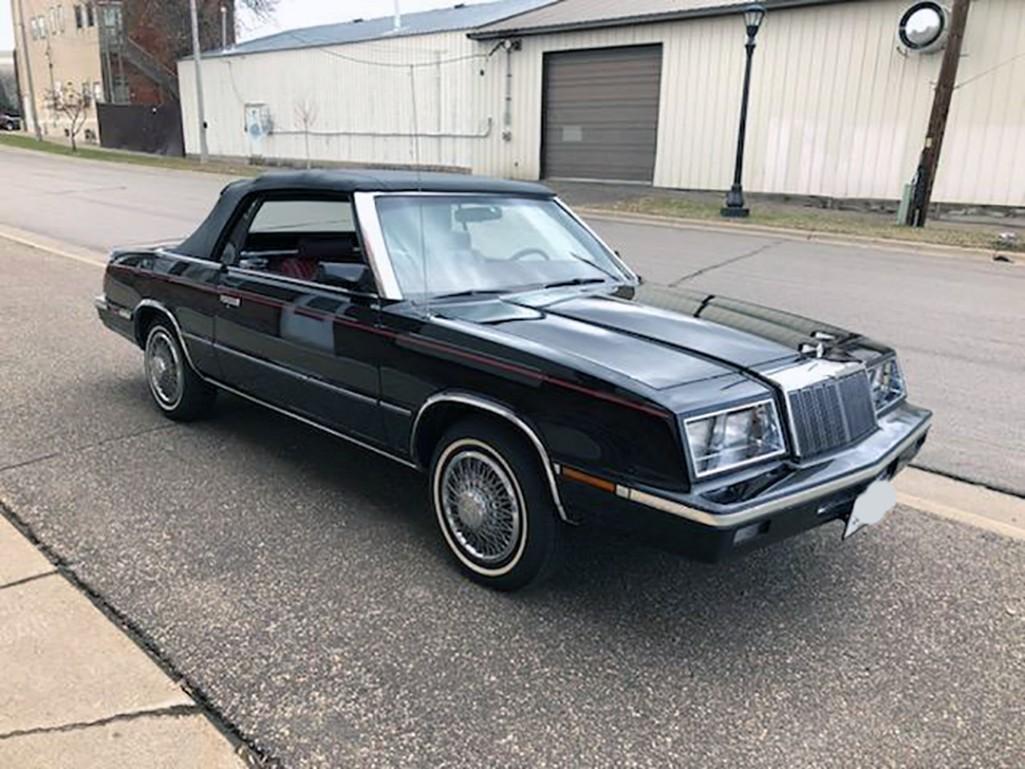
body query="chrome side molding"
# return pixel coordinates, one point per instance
(491, 407)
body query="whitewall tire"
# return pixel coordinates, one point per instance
(494, 510)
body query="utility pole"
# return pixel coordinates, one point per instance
(198, 59)
(49, 61)
(930, 158)
(28, 75)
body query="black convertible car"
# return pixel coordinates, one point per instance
(478, 330)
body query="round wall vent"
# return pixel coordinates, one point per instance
(924, 27)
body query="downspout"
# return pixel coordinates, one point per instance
(510, 46)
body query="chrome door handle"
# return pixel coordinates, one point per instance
(230, 301)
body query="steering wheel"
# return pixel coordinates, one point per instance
(525, 252)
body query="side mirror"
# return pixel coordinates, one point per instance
(348, 275)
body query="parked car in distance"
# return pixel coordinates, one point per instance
(9, 122)
(478, 331)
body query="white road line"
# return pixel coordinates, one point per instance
(54, 247)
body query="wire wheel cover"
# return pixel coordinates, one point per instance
(481, 506)
(163, 369)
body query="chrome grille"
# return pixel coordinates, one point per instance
(831, 413)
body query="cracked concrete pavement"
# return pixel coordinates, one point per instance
(76, 692)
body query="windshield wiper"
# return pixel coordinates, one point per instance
(574, 282)
(473, 292)
(598, 267)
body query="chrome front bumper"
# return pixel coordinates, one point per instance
(901, 432)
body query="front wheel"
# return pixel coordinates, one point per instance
(177, 390)
(493, 507)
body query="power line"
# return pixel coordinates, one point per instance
(989, 71)
(322, 48)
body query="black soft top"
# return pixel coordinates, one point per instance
(203, 241)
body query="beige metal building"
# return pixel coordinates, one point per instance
(59, 41)
(645, 91)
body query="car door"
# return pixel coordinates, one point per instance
(187, 288)
(288, 340)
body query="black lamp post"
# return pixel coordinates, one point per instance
(735, 208)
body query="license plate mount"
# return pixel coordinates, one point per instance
(871, 507)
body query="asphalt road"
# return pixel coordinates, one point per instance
(301, 584)
(959, 324)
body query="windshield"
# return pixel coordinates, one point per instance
(441, 244)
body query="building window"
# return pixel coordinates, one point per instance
(90, 15)
(78, 17)
(53, 21)
(60, 18)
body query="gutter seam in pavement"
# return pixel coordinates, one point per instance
(87, 447)
(725, 263)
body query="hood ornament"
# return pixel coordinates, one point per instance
(823, 341)
(815, 350)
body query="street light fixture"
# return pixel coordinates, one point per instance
(735, 208)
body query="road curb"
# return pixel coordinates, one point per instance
(234, 741)
(815, 236)
(958, 500)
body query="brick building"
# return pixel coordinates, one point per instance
(113, 52)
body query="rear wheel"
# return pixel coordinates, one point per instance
(493, 507)
(177, 390)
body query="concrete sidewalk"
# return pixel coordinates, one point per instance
(76, 692)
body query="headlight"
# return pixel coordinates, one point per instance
(888, 387)
(728, 439)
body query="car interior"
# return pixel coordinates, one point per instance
(293, 237)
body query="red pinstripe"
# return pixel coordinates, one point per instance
(420, 341)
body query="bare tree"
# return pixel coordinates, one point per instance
(164, 27)
(306, 117)
(74, 106)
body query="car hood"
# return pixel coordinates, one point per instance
(659, 337)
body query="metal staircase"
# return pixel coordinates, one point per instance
(149, 65)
